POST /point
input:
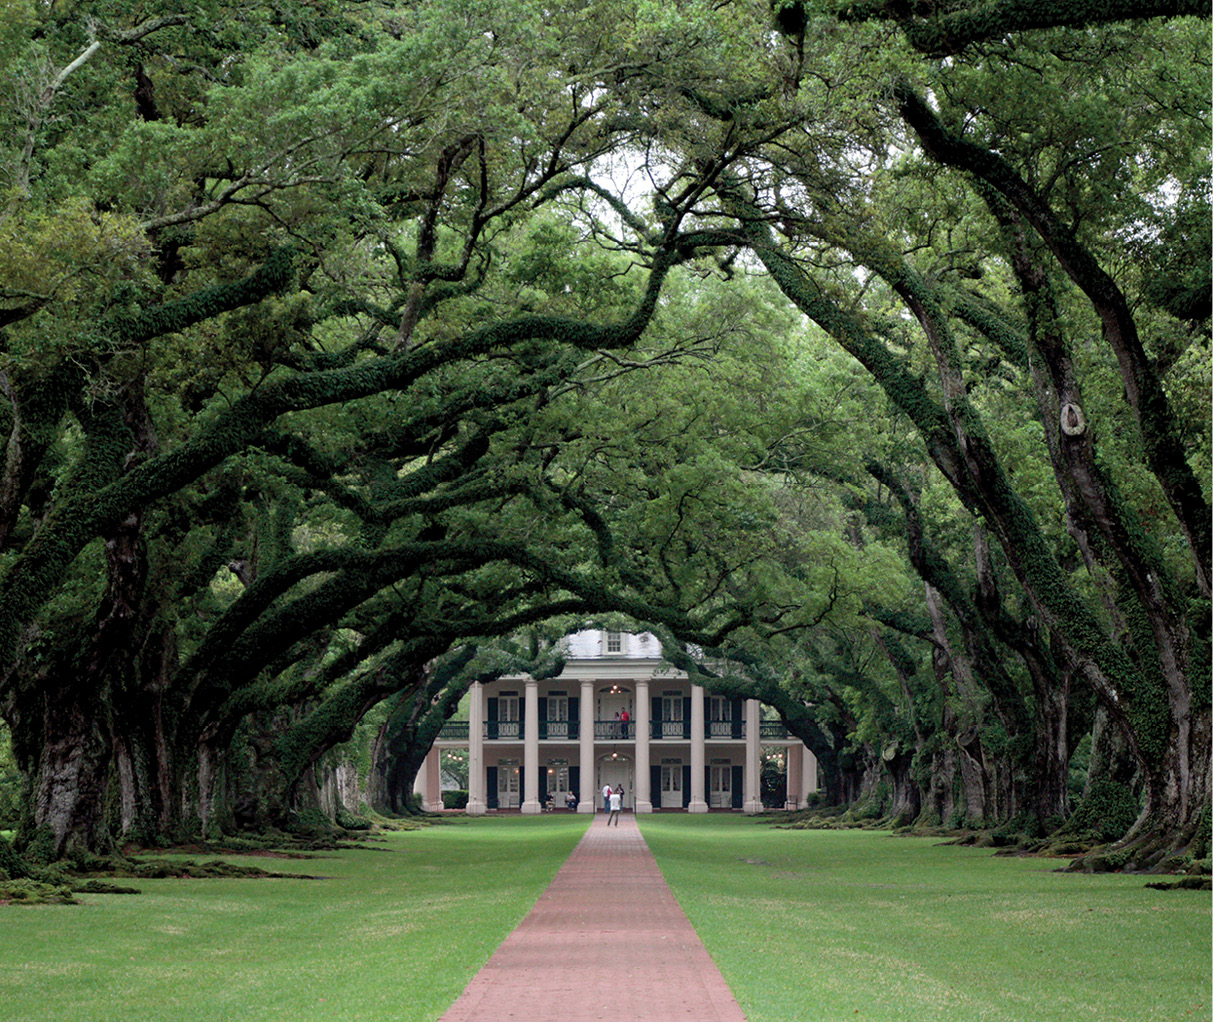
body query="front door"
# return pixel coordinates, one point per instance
(508, 790)
(720, 777)
(671, 785)
(616, 772)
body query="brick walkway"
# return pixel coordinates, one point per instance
(606, 940)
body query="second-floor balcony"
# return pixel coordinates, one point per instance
(612, 730)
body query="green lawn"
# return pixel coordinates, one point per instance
(807, 926)
(392, 935)
(818, 926)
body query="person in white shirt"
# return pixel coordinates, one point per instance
(616, 805)
(606, 798)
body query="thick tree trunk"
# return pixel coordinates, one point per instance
(848, 788)
(1177, 798)
(207, 760)
(1051, 762)
(146, 739)
(872, 798)
(1111, 758)
(954, 673)
(906, 802)
(403, 778)
(379, 791)
(341, 789)
(899, 761)
(70, 778)
(77, 741)
(974, 780)
(148, 773)
(939, 808)
(406, 737)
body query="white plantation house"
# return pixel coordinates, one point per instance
(620, 715)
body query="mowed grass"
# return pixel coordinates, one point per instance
(827, 926)
(807, 926)
(394, 932)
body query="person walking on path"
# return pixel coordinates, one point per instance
(606, 798)
(616, 805)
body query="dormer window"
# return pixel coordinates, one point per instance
(614, 642)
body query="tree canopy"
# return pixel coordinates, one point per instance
(350, 352)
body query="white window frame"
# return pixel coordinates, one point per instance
(509, 715)
(671, 776)
(558, 777)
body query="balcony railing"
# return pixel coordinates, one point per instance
(612, 730)
(724, 729)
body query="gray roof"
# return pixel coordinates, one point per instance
(591, 645)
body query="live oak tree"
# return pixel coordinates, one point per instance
(342, 342)
(1011, 200)
(323, 302)
(374, 173)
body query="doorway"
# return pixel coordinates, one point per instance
(508, 789)
(617, 772)
(613, 703)
(671, 784)
(720, 785)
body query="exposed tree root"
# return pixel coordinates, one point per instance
(26, 882)
(1189, 883)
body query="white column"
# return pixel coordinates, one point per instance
(752, 798)
(644, 796)
(431, 793)
(809, 784)
(421, 782)
(530, 752)
(795, 776)
(587, 796)
(477, 802)
(698, 803)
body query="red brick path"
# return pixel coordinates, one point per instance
(606, 940)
